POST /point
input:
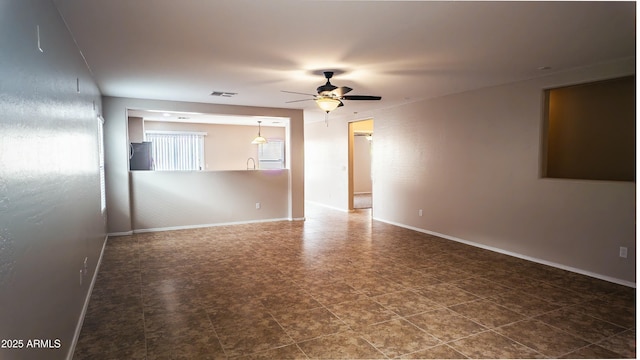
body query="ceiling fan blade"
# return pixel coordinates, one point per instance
(339, 92)
(293, 101)
(341, 104)
(361, 97)
(299, 93)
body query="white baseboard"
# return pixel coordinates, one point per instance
(170, 228)
(199, 226)
(520, 256)
(76, 335)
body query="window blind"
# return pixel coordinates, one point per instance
(271, 155)
(177, 151)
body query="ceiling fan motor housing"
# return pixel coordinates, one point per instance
(327, 88)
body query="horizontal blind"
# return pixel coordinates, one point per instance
(177, 151)
(271, 155)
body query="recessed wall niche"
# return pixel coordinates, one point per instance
(589, 131)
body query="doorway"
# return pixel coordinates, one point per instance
(360, 160)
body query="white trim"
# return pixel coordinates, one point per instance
(298, 219)
(83, 313)
(199, 226)
(514, 254)
(173, 132)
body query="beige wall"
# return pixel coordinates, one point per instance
(326, 163)
(136, 129)
(361, 165)
(227, 147)
(178, 199)
(119, 192)
(362, 157)
(471, 161)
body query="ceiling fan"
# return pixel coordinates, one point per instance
(330, 97)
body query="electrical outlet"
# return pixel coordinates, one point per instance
(623, 252)
(258, 205)
(420, 212)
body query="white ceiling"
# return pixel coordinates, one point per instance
(403, 51)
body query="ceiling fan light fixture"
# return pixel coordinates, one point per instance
(328, 104)
(259, 139)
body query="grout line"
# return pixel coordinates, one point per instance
(144, 318)
(273, 263)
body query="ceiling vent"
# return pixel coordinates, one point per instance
(223, 93)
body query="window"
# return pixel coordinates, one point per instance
(176, 151)
(271, 155)
(590, 131)
(103, 194)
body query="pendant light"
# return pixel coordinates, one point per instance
(259, 139)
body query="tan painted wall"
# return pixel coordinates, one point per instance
(361, 165)
(326, 163)
(471, 161)
(363, 126)
(362, 157)
(227, 147)
(177, 199)
(136, 129)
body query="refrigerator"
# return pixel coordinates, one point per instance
(140, 157)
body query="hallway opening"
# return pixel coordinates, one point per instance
(360, 160)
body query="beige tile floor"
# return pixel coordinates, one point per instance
(340, 285)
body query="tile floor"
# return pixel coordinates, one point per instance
(340, 285)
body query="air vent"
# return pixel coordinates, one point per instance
(223, 93)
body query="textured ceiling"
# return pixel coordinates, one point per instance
(403, 51)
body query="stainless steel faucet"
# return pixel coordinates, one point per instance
(254, 163)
